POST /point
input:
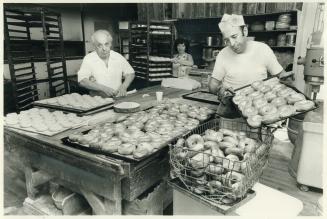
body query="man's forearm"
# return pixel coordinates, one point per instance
(214, 85)
(90, 85)
(128, 80)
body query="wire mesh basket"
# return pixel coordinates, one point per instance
(217, 178)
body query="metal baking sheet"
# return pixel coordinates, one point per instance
(196, 96)
(79, 112)
(281, 119)
(47, 133)
(129, 158)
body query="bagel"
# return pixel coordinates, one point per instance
(278, 87)
(197, 172)
(231, 162)
(279, 101)
(218, 155)
(295, 97)
(238, 98)
(270, 118)
(245, 104)
(256, 94)
(286, 111)
(199, 161)
(213, 136)
(111, 146)
(180, 142)
(214, 169)
(231, 139)
(227, 132)
(260, 102)
(257, 84)
(224, 144)
(233, 177)
(194, 140)
(234, 150)
(126, 148)
(250, 148)
(267, 109)
(254, 121)
(304, 105)
(270, 96)
(264, 88)
(284, 92)
(250, 111)
(210, 144)
(215, 184)
(247, 90)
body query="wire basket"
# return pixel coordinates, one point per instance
(218, 178)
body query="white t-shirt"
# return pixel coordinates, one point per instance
(93, 65)
(237, 70)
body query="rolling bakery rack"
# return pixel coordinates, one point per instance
(151, 47)
(19, 49)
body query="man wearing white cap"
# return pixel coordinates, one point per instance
(103, 70)
(241, 62)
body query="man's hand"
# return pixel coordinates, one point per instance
(109, 92)
(224, 92)
(121, 91)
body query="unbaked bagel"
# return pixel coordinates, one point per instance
(286, 111)
(254, 121)
(279, 101)
(304, 105)
(295, 97)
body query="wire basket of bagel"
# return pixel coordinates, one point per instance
(221, 160)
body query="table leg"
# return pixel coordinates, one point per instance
(102, 205)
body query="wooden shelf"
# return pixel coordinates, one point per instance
(272, 31)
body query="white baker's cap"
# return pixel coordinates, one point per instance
(230, 20)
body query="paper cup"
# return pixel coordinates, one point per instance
(159, 95)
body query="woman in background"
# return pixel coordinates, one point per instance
(182, 61)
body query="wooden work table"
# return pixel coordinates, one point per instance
(104, 181)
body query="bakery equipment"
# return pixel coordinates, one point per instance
(308, 142)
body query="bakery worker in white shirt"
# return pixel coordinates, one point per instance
(241, 62)
(103, 70)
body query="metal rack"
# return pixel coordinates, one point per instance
(19, 50)
(147, 40)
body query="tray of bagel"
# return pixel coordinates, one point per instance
(76, 103)
(269, 101)
(136, 136)
(42, 121)
(220, 160)
(202, 96)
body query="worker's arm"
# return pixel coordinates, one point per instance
(285, 77)
(188, 62)
(122, 90)
(92, 85)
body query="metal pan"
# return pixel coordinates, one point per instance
(193, 96)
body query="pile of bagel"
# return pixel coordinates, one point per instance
(141, 134)
(77, 101)
(269, 101)
(218, 161)
(43, 121)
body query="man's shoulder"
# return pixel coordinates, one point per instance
(90, 56)
(258, 45)
(116, 55)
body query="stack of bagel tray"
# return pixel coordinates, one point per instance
(138, 135)
(42, 121)
(202, 96)
(220, 164)
(76, 103)
(269, 101)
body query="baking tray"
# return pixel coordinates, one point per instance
(281, 119)
(192, 96)
(79, 112)
(46, 133)
(128, 158)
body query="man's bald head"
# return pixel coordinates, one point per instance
(102, 41)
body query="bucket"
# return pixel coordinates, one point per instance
(294, 124)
